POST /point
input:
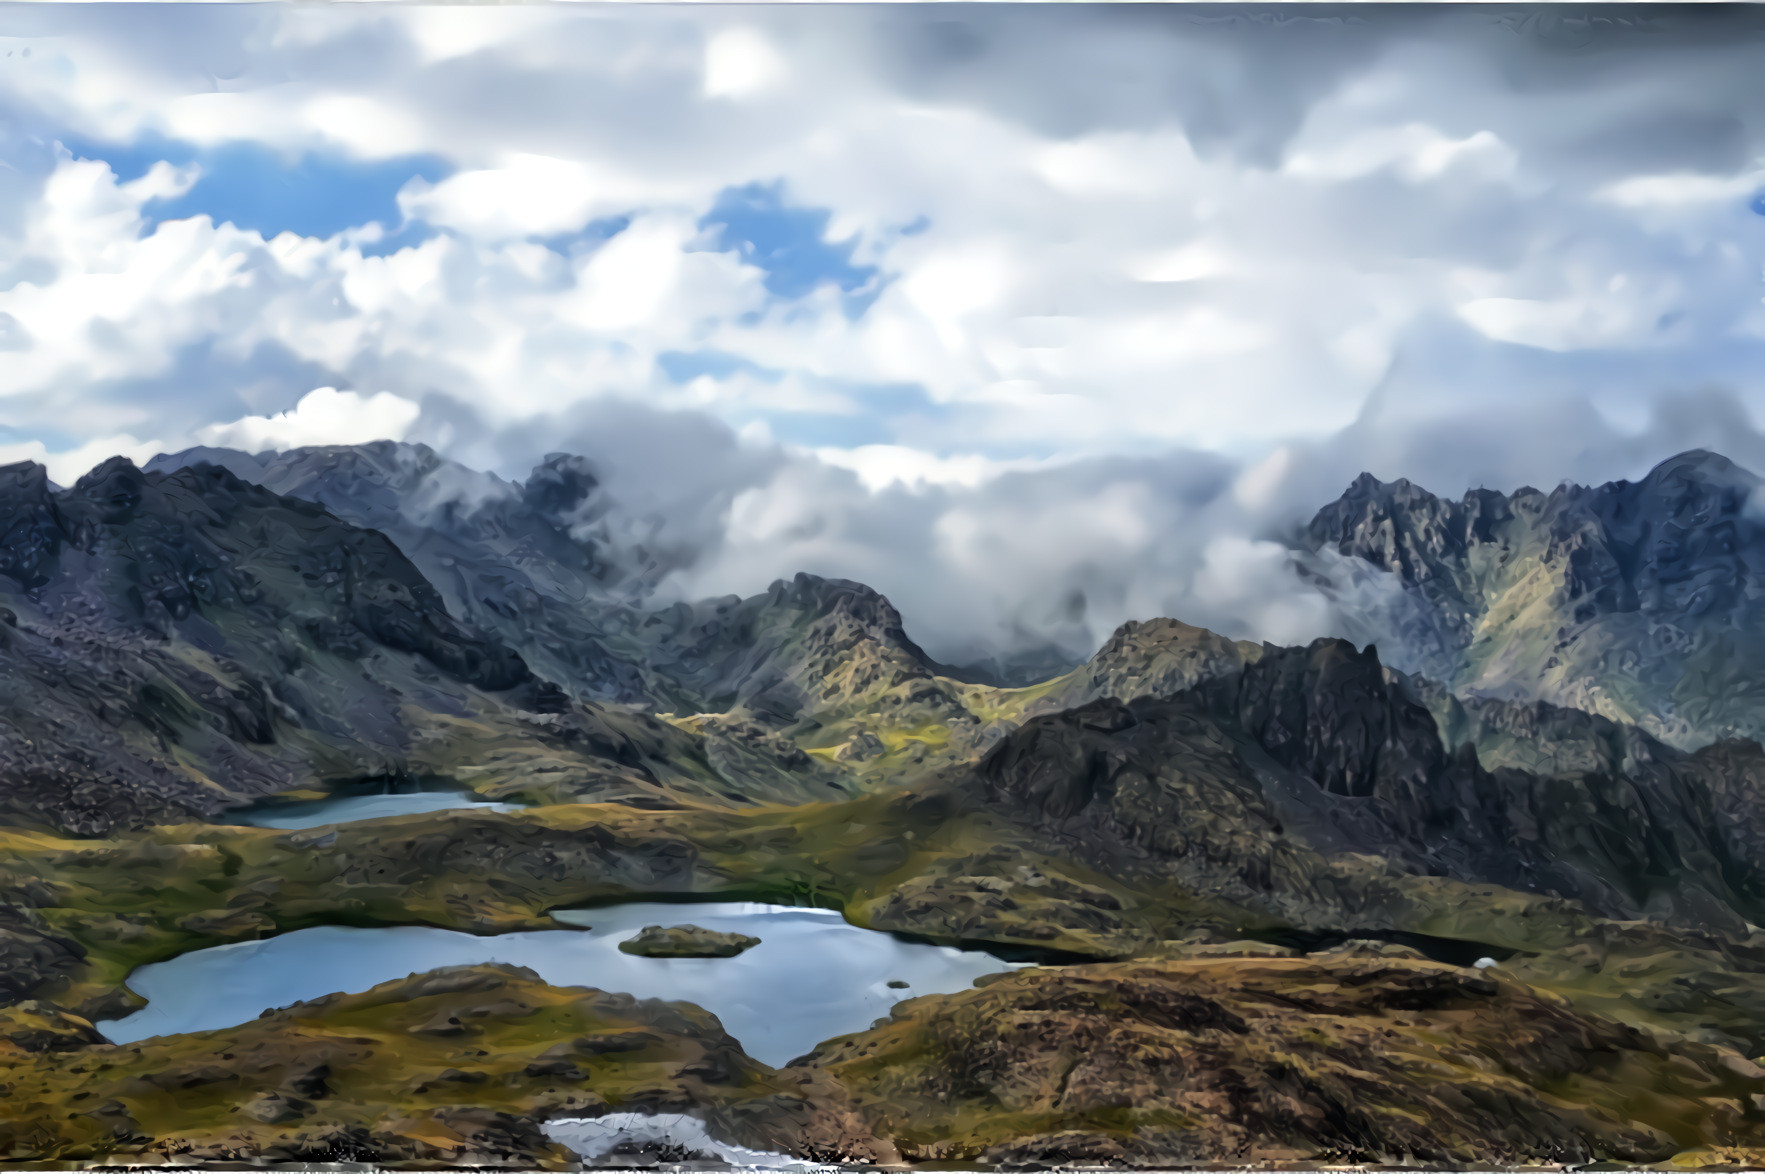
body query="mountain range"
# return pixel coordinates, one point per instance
(1639, 601)
(1534, 746)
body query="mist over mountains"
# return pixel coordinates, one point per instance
(1631, 600)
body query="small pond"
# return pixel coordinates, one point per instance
(812, 977)
(348, 808)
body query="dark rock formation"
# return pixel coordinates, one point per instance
(1639, 601)
(524, 562)
(1248, 781)
(184, 640)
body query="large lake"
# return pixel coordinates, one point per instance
(812, 977)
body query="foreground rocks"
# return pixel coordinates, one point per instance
(458, 1066)
(1348, 1055)
(1363, 1053)
(686, 941)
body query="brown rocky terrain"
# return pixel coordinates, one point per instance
(1359, 1054)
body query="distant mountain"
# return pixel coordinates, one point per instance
(1643, 602)
(519, 560)
(175, 643)
(501, 554)
(1257, 779)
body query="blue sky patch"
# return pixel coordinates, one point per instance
(590, 236)
(686, 366)
(789, 243)
(1757, 203)
(313, 194)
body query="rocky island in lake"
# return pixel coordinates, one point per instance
(686, 941)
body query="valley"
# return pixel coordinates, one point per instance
(1194, 901)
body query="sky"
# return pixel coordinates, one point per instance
(1036, 318)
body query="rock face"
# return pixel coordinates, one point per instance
(530, 564)
(686, 941)
(527, 562)
(1637, 601)
(518, 560)
(1149, 658)
(1249, 782)
(1247, 1060)
(176, 643)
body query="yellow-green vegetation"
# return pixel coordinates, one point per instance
(898, 860)
(989, 704)
(455, 1066)
(912, 860)
(1250, 1059)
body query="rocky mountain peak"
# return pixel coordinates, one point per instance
(115, 488)
(1631, 599)
(845, 598)
(1700, 465)
(560, 484)
(32, 533)
(1328, 711)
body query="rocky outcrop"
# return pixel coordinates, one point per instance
(523, 560)
(1637, 601)
(509, 558)
(1245, 1060)
(1250, 783)
(530, 564)
(31, 956)
(1149, 658)
(686, 941)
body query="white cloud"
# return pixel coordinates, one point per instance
(1678, 191)
(1098, 237)
(528, 195)
(949, 286)
(1252, 582)
(1189, 263)
(69, 465)
(323, 416)
(1415, 153)
(1203, 300)
(881, 466)
(740, 62)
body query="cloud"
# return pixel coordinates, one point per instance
(323, 416)
(740, 62)
(69, 465)
(880, 466)
(529, 195)
(1116, 244)
(1039, 318)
